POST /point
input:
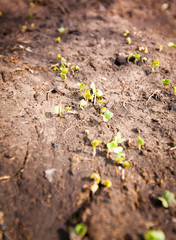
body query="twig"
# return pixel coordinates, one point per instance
(157, 91)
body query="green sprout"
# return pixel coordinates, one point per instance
(136, 56)
(125, 34)
(95, 177)
(140, 142)
(100, 101)
(118, 138)
(24, 28)
(128, 40)
(144, 59)
(99, 93)
(57, 110)
(62, 30)
(107, 183)
(107, 115)
(30, 15)
(81, 86)
(166, 83)
(112, 147)
(87, 95)
(167, 199)
(63, 69)
(56, 68)
(75, 68)
(160, 48)
(82, 104)
(94, 144)
(80, 230)
(58, 39)
(171, 45)
(155, 235)
(155, 64)
(120, 157)
(63, 75)
(174, 90)
(126, 164)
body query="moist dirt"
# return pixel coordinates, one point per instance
(35, 139)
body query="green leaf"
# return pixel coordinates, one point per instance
(113, 148)
(62, 75)
(92, 86)
(164, 202)
(140, 141)
(170, 198)
(175, 90)
(108, 115)
(120, 157)
(81, 85)
(171, 44)
(155, 235)
(126, 164)
(81, 229)
(166, 82)
(62, 30)
(136, 55)
(95, 143)
(118, 138)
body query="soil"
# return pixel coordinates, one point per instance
(35, 139)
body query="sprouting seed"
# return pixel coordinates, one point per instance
(125, 34)
(155, 235)
(95, 177)
(58, 39)
(126, 164)
(87, 95)
(128, 40)
(80, 230)
(58, 110)
(107, 115)
(140, 142)
(166, 83)
(155, 64)
(82, 104)
(62, 30)
(171, 45)
(99, 93)
(107, 183)
(94, 144)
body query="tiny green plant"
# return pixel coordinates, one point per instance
(56, 68)
(166, 83)
(58, 110)
(81, 86)
(155, 235)
(168, 199)
(80, 230)
(140, 142)
(30, 15)
(155, 64)
(171, 45)
(160, 48)
(126, 164)
(94, 144)
(107, 183)
(174, 90)
(125, 34)
(129, 40)
(82, 104)
(62, 30)
(87, 95)
(136, 56)
(107, 115)
(58, 39)
(96, 178)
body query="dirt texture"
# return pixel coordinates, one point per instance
(35, 139)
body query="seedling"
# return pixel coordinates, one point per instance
(58, 40)
(56, 68)
(126, 33)
(107, 183)
(30, 15)
(174, 90)
(80, 230)
(107, 115)
(63, 69)
(87, 95)
(120, 157)
(57, 110)
(171, 45)
(128, 40)
(81, 86)
(135, 57)
(155, 235)
(94, 144)
(99, 93)
(62, 30)
(112, 147)
(95, 177)
(75, 68)
(118, 138)
(102, 110)
(63, 75)
(126, 164)
(155, 64)
(140, 142)
(68, 108)
(82, 104)
(143, 49)
(167, 199)
(144, 59)
(159, 48)
(166, 83)
(24, 28)
(100, 101)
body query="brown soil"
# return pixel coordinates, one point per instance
(34, 139)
